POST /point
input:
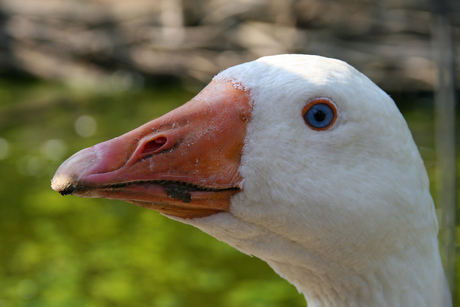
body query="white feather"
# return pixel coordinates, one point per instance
(344, 214)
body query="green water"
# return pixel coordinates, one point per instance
(68, 251)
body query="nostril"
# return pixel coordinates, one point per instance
(154, 145)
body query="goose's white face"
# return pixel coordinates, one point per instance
(351, 185)
(293, 148)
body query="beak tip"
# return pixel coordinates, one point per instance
(68, 177)
(63, 184)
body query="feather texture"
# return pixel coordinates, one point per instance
(344, 214)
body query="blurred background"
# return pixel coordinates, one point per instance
(75, 73)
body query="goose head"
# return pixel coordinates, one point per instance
(299, 160)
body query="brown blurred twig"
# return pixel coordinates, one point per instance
(88, 40)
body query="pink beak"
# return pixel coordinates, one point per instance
(183, 164)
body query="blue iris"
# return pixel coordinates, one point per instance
(319, 115)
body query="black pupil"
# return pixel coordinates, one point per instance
(320, 115)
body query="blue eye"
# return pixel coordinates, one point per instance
(320, 114)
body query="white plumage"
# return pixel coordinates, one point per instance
(343, 213)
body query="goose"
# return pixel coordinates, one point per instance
(299, 160)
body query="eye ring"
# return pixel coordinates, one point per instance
(319, 114)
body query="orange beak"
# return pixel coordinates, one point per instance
(184, 164)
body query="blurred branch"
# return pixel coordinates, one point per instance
(446, 145)
(196, 39)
